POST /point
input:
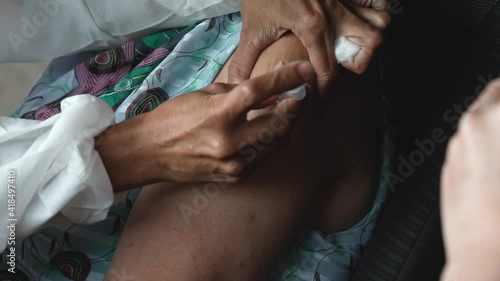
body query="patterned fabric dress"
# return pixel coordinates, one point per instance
(133, 79)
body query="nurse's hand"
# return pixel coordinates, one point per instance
(198, 137)
(317, 23)
(470, 193)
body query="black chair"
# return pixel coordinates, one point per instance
(407, 243)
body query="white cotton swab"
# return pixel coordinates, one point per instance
(345, 51)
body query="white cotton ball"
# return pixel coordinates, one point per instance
(345, 50)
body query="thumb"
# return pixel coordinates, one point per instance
(360, 30)
(246, 55)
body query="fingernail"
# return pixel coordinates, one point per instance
(305, 70)
(298, 94)
(309, 88)
(279, 65)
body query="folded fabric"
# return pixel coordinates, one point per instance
(46, 29)
(54, 168)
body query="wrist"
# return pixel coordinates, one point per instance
(127, 154)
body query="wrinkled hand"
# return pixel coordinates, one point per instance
(471, 192)
(317, 23)
(197, 137)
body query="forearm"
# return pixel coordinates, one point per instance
(128, 154)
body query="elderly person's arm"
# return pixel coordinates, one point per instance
(323, 175)
(57, 175)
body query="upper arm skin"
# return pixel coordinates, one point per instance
(287, 49)
(232, 232)
(237, 231)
